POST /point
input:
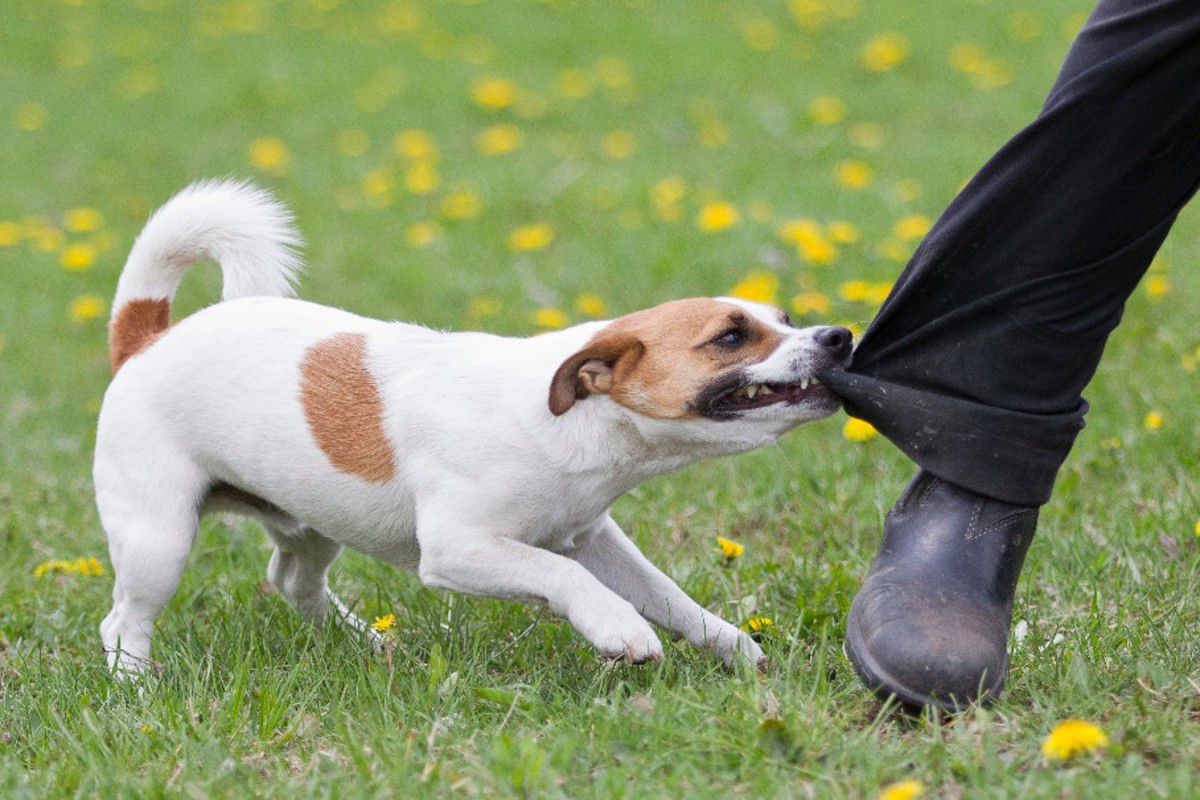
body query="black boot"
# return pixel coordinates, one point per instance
(930, 624)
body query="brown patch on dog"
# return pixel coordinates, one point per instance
(657, 361)
(344, 409)
(136, 326)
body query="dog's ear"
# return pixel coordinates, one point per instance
(595, 369)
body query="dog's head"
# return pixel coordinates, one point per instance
(705, 359)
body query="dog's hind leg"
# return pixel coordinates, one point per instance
(299, 570)
(150, 527)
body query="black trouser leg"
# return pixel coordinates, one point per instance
(976, 363)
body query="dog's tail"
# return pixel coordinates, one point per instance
(249, 233)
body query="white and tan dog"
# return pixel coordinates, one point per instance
(485, 464)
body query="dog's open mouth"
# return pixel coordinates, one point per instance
(759, 395)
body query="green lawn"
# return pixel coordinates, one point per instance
(517, 165)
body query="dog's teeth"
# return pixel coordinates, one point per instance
(764, 389)
(803, 384)
(814, 380)
(751, 390)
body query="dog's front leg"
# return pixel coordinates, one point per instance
(616, 561)
(482, 563)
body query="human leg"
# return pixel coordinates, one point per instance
(976, 363)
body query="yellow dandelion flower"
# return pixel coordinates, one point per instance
(906, 190)
(613, 73)
(485, 306)
(1198, 528)
(885, 52)
(967, 58)
(547, 317)
(10, 233)
(421, 178)
(902, 790)
(758, 624)
(78, 257)
(270, 155)
(147, 729)
(912, 227)
(827, 110)
(668, 190)
(759, 286)
(812, 302)
(1153, 420)
(573, 83)
(841, 232)
(1024, 26)
(414, 144)
(498, 139)
(1157, 286)
(878, 292)
(867, 135)
(895, 250)
(83, 220)
(1071, 738)
(858, 430)
(30, 117)
(618, 145)
(422, 234)
(717, 216)
(760, 33)
(462, 202)
(384, 623)
(85, 308)
(494, 93)
(591, 305)
(853, 174)
(528, 238)
(856, 291)
(729, 548)
(817, 250)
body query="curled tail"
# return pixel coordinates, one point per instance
(243, 228)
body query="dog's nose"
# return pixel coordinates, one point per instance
(837, 340)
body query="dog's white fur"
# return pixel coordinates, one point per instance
(491, 492)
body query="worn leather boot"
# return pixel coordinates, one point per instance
(930, 624)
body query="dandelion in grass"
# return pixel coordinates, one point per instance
(811, 302)
(462, 202)
(1157, 286)
(902, 790)
(912, 227)
(270, 155)
(1198, 529)
(1071, 738)
(1153, 420)
(758, 624)
(574, 83)
(867, 135)
(147, 729)
(498, 140)
(827, 110)
(718, 216)
(89, 566)
(760, 33)
(759, 286)
(530, 238)
(414, 144)
(591, 305)
(422, 234)
(667, 195)
(384, 624)
(85, 308)
(853, 174)
(494, 93)
(550, 318)
(30, 117)
(884, 52)
(618, 145)
(729, 548)
(858, 430)
(10, 233)
(421, 178)
(842, 232)
(83, 220)
(78, 257)
(485, 306)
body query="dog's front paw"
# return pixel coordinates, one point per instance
(624, 636)
(741, 650)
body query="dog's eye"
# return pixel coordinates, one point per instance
(734, 337)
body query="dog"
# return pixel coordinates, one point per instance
(485, 464)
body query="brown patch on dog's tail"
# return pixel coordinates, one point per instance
(135, 326)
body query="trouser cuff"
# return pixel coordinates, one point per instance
(1007, 455)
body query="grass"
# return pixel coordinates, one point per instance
(114, 106)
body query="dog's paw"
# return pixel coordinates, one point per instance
(741, 651)
(625, 637)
